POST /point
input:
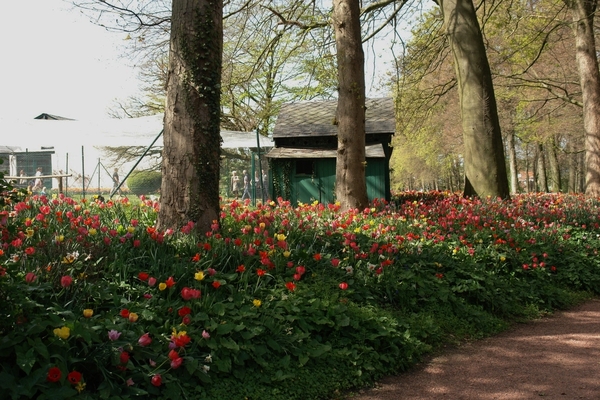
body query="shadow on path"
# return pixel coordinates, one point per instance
(557, 357)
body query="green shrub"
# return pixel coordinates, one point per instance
(144, 182)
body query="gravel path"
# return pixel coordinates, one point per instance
(557, 357)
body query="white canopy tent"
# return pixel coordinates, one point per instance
(76, 141)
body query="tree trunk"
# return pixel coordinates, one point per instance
(554, 181)
(512, 162)
(542, 180)
(191, 153)
(350, 180)
(589, 76)
(485, 167)
(573, 156)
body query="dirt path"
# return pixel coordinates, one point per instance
(557, 357)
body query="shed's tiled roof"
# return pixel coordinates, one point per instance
(316, 118)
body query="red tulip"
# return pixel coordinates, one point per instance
(156, 380)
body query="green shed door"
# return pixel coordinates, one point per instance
(303, 188)
(326, 174)
(314, 180)
(375, 178)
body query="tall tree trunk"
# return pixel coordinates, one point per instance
(554, 181)
(350, 180)
(587, 63)
(512, 162)
(485, 167)
(528, 183)
(573, 156)
(581, 168)
(191, 153)
(542, 180)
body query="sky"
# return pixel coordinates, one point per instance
(57, 62)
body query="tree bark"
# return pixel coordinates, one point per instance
(587, 63)
(555, 178)
(350, 180)
(191, 152)
(542, 179)
(512, 162)
(485, 167)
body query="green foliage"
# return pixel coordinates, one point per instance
(144, 182)
(276, 302)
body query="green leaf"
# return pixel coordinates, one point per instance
(229, 344)
(61, 392)
(223, 364)
(224, 329)
(319, 350)
(40, 347)
(342, 320)
(7, 381)
(302, 359)
(26, 360)
(191, 364)
(285, 361)
(273, 344)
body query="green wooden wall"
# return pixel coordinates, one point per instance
(307, 180)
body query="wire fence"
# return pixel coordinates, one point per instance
(89, 173)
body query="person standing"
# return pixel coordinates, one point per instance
(257, 184)
(265, 184)
(235, 184)
(246, 194)
(38, 183)
(22, 181)
(116, 181)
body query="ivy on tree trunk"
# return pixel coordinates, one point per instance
(350, 180)
(191, 153)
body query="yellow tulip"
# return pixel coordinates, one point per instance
(162, 286)
(199, 276)
(88, 312)
(63, 332)
(257, 302)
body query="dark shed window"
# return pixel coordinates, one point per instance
(304, 166)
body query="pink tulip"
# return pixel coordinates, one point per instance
(66, 281)
(30, 277)
(176, 363)
(144, 340)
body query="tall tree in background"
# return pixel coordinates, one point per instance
(485, 168)
(350, 180)
(583, 12)
(191, 153)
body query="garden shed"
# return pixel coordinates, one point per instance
(16, 160)
(302, 163)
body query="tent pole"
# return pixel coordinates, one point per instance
(260, 171)
(136, 164)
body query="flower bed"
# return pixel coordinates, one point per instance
(276, 302)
